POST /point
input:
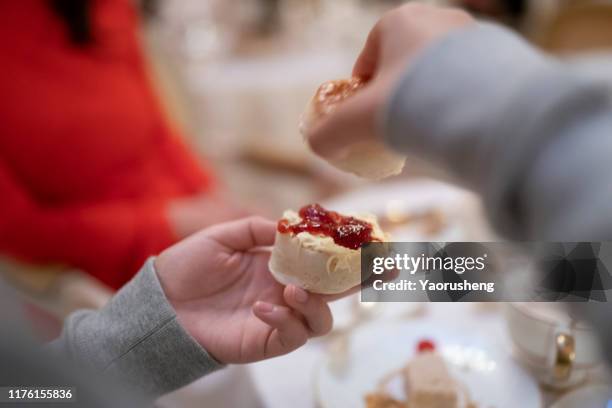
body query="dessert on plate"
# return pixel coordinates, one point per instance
(372, 160)
(427, 384)
(320, 250)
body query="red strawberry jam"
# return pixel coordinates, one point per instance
(348, 232)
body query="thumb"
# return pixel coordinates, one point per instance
(244, 234)
(353, 121)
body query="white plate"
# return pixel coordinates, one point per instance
(462, 209)
(491, 376)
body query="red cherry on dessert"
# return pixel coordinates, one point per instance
(426, 346)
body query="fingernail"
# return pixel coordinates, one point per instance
(300, 295)
(264, 307)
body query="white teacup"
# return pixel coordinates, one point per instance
(558, 350)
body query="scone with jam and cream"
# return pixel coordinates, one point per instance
(320, 250)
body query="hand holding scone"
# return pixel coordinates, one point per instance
(225, 297)
(392, 45)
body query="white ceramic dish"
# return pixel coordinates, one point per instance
(491, 376)
(461, 210)
(536, 330)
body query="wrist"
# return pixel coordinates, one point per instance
(165, 268)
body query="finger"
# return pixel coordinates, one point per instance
(353, 121)
(244, 234)
(314, 309)
(289, 332)
(367, 61)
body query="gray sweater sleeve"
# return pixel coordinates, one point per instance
(525, 131)
(136, 339)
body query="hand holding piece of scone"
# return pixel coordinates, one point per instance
(320, 250)
(367, 159)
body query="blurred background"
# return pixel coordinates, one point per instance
(230, 78)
